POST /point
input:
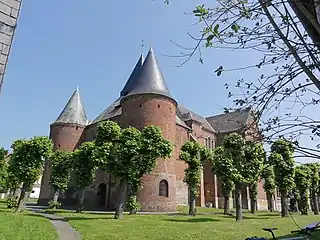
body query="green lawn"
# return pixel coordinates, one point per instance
(24, 226)
(207, 225)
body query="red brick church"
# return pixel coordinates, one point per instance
(145, 99)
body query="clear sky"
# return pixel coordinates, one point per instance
(61, 44)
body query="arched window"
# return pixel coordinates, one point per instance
(163, 188)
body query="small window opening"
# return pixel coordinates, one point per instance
(58, 145)
(77, 127)
(163, 188)
(140, 105)
(158, 105)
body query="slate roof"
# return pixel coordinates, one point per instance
(230, 121)
(73, 111)
(148, 79)
(130, 84)
(186, 115)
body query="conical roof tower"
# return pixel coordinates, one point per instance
(73, 112)
(149, 78)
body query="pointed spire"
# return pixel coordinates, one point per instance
(149, 79)
(73, 112)
(129, 84)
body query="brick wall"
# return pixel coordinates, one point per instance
(9, 12)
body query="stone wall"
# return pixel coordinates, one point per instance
(9, 12)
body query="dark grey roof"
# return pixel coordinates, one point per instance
(131, 80)
(73, 112)
(149, 79)
(112, 111)
(230, 121)
(185, 114)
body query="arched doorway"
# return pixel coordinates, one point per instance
(102, 191)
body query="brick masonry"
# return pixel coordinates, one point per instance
(9, 13)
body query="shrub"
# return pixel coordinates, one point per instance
(53, 205)
(133, 204)
(12, 202)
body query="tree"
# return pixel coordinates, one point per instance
(234, 146)
(287, 61)
(269, 185)
(3, 169)
(222, 166)
(61, 167)
(27, 162)
(281, 158)
(193, 154)
(315, 185)
(128, 154)
(303, 184)
(84, 166)
(254, 155)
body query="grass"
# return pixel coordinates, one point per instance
(208, 224)
(24, 226)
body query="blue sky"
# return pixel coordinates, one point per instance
(60, 45)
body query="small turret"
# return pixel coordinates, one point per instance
(65, 134)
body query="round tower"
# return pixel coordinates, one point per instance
(65, 133)
(147, 101)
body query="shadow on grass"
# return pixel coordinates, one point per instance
(193, 220)
(257, 217)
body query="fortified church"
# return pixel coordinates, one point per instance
(145, 99)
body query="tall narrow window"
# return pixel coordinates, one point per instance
(163, 188)
(206, 142)
(212, 144)
(209, 142)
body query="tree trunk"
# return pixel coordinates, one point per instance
(226, 205)
(22, 199)
(238, 202)
(192, 203)
(16, 193)
(304, 205)
(284, 204)
(119, 210)
(315, 204)
(253, 205)
(253, 192)
(270, 201)
(80, 200)
(55, 198)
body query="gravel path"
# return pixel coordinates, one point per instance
(63, 228)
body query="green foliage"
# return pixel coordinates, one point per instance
(255, 155)
(281, 158)
(61, 166)
(234, 146)
(53, 204)
(3, 169)
(27, 159)
(193, 154)
(133, 204)
(12, 181)
(315, 176)
(12, 202)
(253, 190)
(129, 154)
(269, 179)
(84, 165)
(222, 167)
(303, 183)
